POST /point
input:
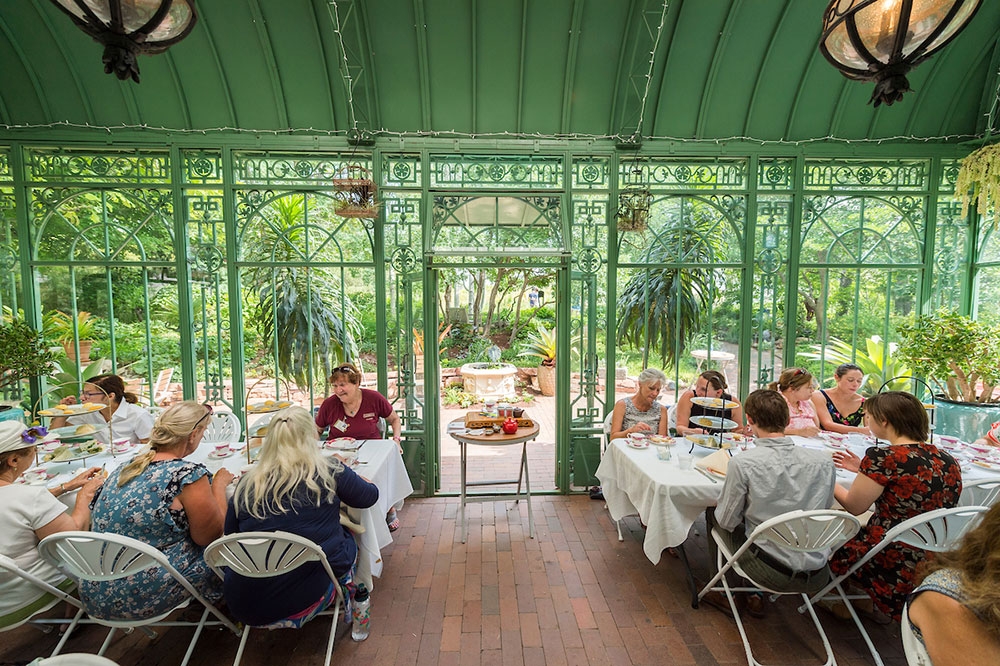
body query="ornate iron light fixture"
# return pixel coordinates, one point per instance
(881, 40)
(127, 28)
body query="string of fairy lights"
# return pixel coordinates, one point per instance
(356, 133)
(505, 135)
(649, 70)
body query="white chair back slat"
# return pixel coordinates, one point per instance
(102, 556)
(941, 532)
(811, 532)
(223, 427)
(981, 492)
(267, 554)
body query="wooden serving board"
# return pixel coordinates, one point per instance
(477, 420)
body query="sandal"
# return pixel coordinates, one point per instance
(392, 520)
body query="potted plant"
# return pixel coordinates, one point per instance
(543, 345)
(23, 354)
(60, 326)
(959, 356)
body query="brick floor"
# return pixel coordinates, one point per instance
(573, 595)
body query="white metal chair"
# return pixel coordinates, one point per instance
(936, 531)
(97, 556)
(981, 492)
(672, 417)
(801, 531)
(50, 596)
(223, 427)
(75, 659)
(266, 554)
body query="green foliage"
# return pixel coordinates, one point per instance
(70, 378)
(664, 306)
(295, 308)
(542, 345)
(23, 354)
(131, 351)
(955, 352)
(59, 326)
(456, 395)
(878, 362)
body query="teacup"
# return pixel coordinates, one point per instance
(36, 474)
(121, 446)
(221, 449)
(50, 445)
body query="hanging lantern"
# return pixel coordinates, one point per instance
(127, 28)
(881, 40)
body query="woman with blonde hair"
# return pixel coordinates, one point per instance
(168, 502)
(295, 488)
(796, 386)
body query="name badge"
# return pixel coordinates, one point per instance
(341, 425)
(370, 416)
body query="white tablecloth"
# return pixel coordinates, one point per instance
(383, 467)
(669, 500)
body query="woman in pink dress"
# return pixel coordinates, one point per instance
(796, 387)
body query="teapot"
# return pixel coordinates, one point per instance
(510, 425)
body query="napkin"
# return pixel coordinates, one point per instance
(717, 461)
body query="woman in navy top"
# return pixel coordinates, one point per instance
(294, 488)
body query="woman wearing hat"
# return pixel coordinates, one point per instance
(31, 513)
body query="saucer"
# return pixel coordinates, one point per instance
(214, 456)
(637, 444)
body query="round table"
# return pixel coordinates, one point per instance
(523, 435)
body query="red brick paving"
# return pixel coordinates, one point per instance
(573, 595)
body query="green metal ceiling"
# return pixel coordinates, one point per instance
(716, 69)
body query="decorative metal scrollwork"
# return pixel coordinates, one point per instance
(404, 260)
(207, 257)
(589, 260)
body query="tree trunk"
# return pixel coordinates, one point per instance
(501, 272)
(516, 325)
(477, 302)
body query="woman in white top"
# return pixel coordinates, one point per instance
(128, 420)
(30, 513)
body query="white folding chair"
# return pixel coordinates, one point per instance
(266, 554)
(672, 417)
(936, 531)
(97, 556)
(223, 427)
(75, 659)
(981, 492)
(50, 595)
(802, 531)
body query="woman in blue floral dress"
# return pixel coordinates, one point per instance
(172, 504)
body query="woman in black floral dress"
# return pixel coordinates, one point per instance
(905, 479)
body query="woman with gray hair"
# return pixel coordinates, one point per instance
(170, 503)
(295, 488)
(641, 413)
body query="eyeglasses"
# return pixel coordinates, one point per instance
(344, 368)
(207, 414)
(92, 394)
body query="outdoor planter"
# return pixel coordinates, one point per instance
(489, 381)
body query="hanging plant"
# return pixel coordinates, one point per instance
(355, 195)
(979, 179)
(633, 209)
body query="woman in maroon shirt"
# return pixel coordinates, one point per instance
(354, 412)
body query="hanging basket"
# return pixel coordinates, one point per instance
(354, 176)
(367, 212)
(633, 209)
(978, 181)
